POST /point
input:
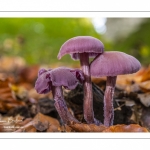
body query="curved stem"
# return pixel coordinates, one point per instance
(108, 101)
(61, 106)
(88, 94)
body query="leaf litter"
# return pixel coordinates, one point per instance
(24, 110)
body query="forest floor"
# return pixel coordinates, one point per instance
(22, 109)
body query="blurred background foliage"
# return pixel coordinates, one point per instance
(38, 40)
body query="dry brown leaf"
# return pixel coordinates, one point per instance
(22, 123)
(145, 86)
(81, 127)
(27, 127)
(145, 118)
(28, 74)
(31, 129)
(42, 122)
(6, 99)
(145, 99)
(126, 128)
(124, 80)
(132, 88)
(65, 128)
(9, 105)
(53, 128)
(6, 94)
(9, 64)
(4, 83)
(129, 103)
(41, 126)
(143, 75)
(19, 92)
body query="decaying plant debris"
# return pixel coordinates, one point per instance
(24, 110)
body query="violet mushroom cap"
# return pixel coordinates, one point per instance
(81, 44)
(111, 64)
(62, 76)
(114, 63)
(54, 80)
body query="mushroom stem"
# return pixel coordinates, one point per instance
(108, 101)
(61, 106)
(87, 85)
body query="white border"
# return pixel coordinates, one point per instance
(50, 135)
(74, 5)
(75, 14)
(87, 8)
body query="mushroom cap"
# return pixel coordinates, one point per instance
(69, 78)
(81, 44)
(114, 63)
(43, 83)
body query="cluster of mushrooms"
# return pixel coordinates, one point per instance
(108, 64)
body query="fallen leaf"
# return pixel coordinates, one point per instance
(6, 94)
(130, 103)
(145, 118)
(145, 99)
(6, 99)
(28, 74)
(124, 80)
(42, 122)
(41, 126)
(65, 128)
(133, 88)
(26, 126)
(81, 127)
(19, 92)
(126, 128)
(143, 75)
(145, 86)
(22, 123)
(10, 64)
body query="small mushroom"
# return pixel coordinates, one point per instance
(111, 64)
(54, 80)
(82, 48)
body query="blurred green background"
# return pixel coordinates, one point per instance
(38, 40)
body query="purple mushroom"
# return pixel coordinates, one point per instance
(54, 79)
(82, 48)
(111, 64)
